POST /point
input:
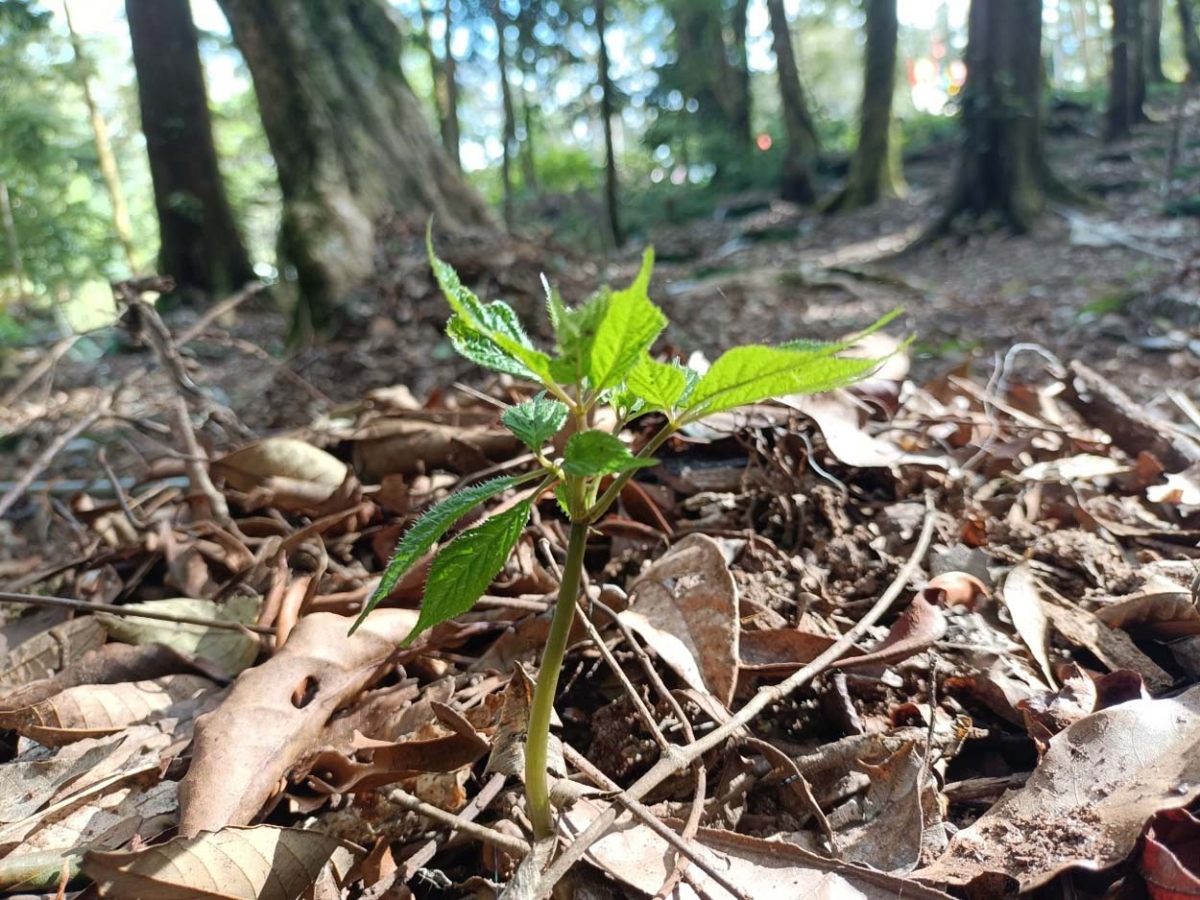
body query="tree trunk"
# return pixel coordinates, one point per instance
(875, 166)
(741, 64)
(606, 115)
(1137, 60)
(510, 119)
(1001, 168)
(1119, 117)
(348, 136)
(451, 132)
(199, 242)
(104, 152)
(705, 70)
(802, 146)
(1191, 39)
(1152, 55)
(16, 263)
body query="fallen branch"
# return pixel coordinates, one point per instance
(113, 609)
(679, 758)
(507, 842)
(29, 476)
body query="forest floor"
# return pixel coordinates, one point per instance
(1023, 716)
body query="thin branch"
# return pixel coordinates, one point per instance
(507, 842)
(681, 757)
(47, 456)
(112, 608)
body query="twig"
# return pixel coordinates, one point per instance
(507, 842)
(197, 472)
(88, 606)
(249, 289)
(47, 456)
(44, 364)
(679, 758)
(122, 500)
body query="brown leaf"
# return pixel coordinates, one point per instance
(1048, 714)
(1023, 598)
(28, 785)
(88, 711)
(263, 863)
(1170, 860)
(1161, 609)
(276, 711)
(1089, 798)
(251, 466)
(780, 651)
(1112, 647)
(955, 589)
(403, 445)
(685, 607)
(762, 869)
(837, 414)
(918, 628)
(51, 651)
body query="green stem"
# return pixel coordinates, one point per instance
(606, 499)
(537, 747)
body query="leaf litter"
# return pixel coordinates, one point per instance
(1024, 718)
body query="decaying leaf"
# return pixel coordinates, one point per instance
(263, 863)
(1023, 600)
(51, 651)
(1170, 861)
(231, 651)
(1111, 646)
(1161, 609)
(249, 467)
(685, 607)
(919, 627)
(28, 785)
(275, 713)
(1088, 800)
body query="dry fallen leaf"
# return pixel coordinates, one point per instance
(919, 627)
(1089, 798)
(1022, 597)
(1170, 860)
(685, 607)
(231, 651)
(248, 468)
(29, 785)
(49, 652)
(263, 863)
(276, 711)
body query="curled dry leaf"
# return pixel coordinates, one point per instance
(251, 466)
(51, 651)
(1161, 609)
(1048, 714)
(231, 651)
(1089, 798)
(1111, 646)
(837, 414)
(276, 711)
(263, 863)
(28, 785)
(780, 651)
(685, 607)
(89, 711)
(763, 869)
(919, 627)
(956, 589)
(404, 445)
(1023, 598)
(1170, 860)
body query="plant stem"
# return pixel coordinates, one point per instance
(537, 747)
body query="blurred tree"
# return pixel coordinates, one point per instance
(875, 165)
(1001, 167)
(1124, 70)
(348, 136)
(104, 152)
(443, 71)
(606, 115)
(1152, 51)
(509, 136)
(200, 243)
(802, 145)
(1191, 38)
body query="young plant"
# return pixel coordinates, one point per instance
(601, 357)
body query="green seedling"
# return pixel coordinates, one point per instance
(601, 358)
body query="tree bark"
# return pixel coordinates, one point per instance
(349, 139)
(1001, 167)
(741, 63)
(1191, 38)
(802, 145)
(107, 162)
(1119, 117)
(606, 115)
(442, 73)
(510, 119)
(1152, 54)
(1137, 60)
(706, 73)
(875, 166)
(16, 263)
(199, 242)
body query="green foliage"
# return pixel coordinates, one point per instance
(602, 356)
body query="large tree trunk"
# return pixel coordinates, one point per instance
(1120, 117)
(442, 73)
(104, 152)
(875, 166)
(199, 242)
(1191, 39)
(1137, 60)
(1152, 53)
(802, 145)
(741, 62)
(1001, 168)
(707, 75)
(606, 116)
(348, 135)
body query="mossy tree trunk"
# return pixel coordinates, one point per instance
(200, 244)
(801, 134)
(1001, 168)
(875, 167)
(349, 139)
(1191, 38)
(607, 110)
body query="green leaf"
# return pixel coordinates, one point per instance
(591, 453)
(499, 336)
(232, 651)
(628, 327)
(427, 530)
(753, 373)
(464, 569)
(659, 385)
(575, 332)
(536, 420)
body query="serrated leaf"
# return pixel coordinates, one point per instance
(628, 327)
(753, 373)
(483, 351)
(464, 569)
(496, 323)
(591, 453)
(536, 420)
(575, 331)
(659, 385)
(427, 530)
